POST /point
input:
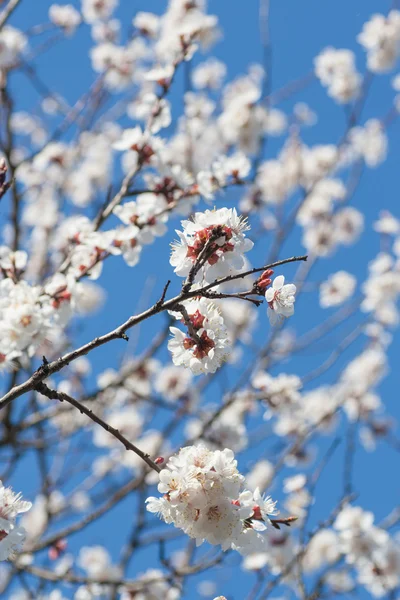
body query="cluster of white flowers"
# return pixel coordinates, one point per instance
(209, 74)
(78, 171)
(117, 63)
(184, 24)
(372, 556)
(296, 166)
(203, 495)
(173, 382)
(11, 534)
(319, 203)
(217, 236)
(283, 399)
(31, 315)
(244, 119)
(295, 412)
(93, 10)
(382, 289)
(326, 229)
(145, 220)
(356, 386)
(65, 16)
(380, 37)
(205, 134)
(369, 142)
(96, 563)
(205, 346)
(24, 321)
(12, 44)
(368, 549)
(336, 70)
(72, 216)
(279, 393)
(224, 170)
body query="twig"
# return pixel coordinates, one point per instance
(105, 212)
(349, 459)
(204, 255)
(160, 302)
(61, 396)
(7, 12)
(119, 333)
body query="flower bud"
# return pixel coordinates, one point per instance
(265, 279)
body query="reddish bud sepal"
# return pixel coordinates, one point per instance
(57, 549)
(265, 279)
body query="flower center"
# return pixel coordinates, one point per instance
(216, 250)
(3, 534)
(201, 348)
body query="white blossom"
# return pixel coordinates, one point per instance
(173, 382)
(203, 495)
(226, 249)
(93, 10)
(147, 23)
(280, 298)
(380, 37)
(12, 44)
(369, 142)
(209, 74)
(387, 223)
(336, 70)
(338, 288)
(11, 535)
(205, 345)
(65, 16)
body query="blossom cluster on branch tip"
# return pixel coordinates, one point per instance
(380, 37)
(205, 346)
(218, 238)
(11, 534)
(88, 179)
(33, 315)
(336, 70)
(204, 495)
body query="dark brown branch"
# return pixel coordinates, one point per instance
(55, 366)
(62, 397)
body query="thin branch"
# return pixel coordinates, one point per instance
(63, 397)
(206, 252)
(105, 212)
(7, 12)
(134, 586)
(78, 526)
(55, 366)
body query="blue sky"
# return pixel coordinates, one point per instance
(299, 31)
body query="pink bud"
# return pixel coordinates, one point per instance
(57, 549)
(265, 279)
(159, 460)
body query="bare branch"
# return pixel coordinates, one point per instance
(62, 397)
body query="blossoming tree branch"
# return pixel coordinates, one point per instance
(167, 418)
